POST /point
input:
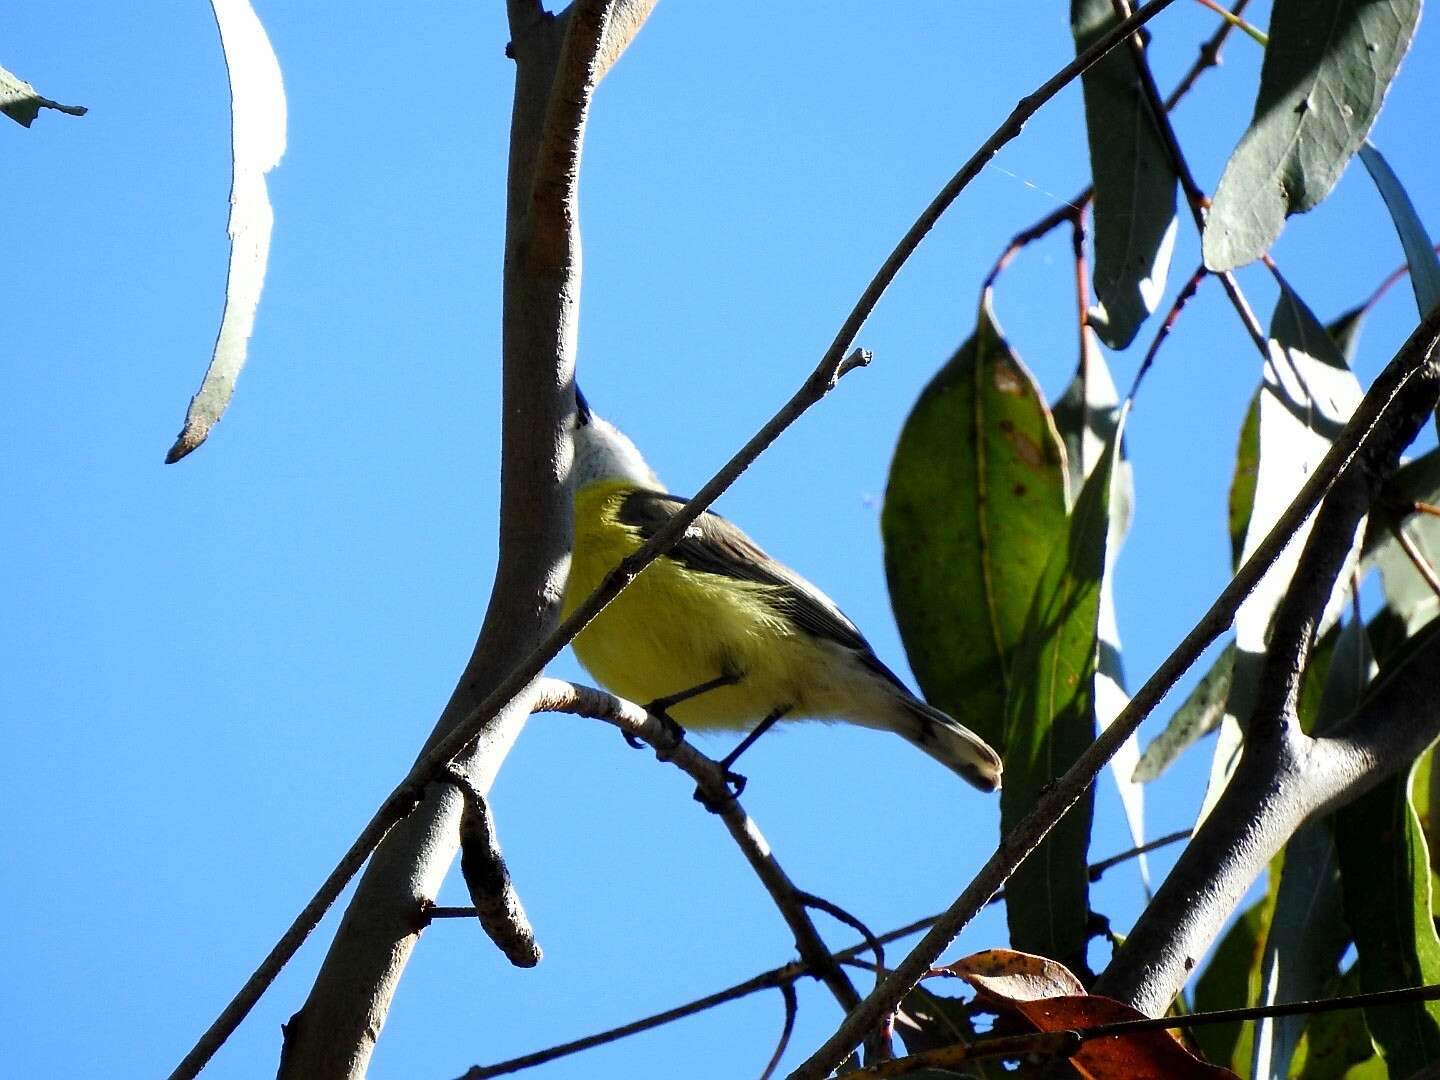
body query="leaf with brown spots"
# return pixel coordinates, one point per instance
(975, 502)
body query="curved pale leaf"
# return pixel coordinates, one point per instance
(1420, 254)
(1307, 394)
(257, 137)
(1134, 184)
(22, 102)
(974, 504)
(1326, 70)
(1051, 720)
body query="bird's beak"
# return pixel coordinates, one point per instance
(582, 408)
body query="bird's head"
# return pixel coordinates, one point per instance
(604, 452)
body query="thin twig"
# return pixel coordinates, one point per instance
(792, 1009)
(1258, 36)
(781, 976)
(1194, 197)
(1181, 299)
(1209, 57)
(554, 695)
(1416, 556)
(1412, 359)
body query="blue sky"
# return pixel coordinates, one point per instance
(214, 671)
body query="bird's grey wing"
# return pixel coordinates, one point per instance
(713, 545)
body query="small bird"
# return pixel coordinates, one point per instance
(717, 634)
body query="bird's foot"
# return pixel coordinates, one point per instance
(673, 732)
(734, 784)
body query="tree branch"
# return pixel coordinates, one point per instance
(1285, 776)
(334, 1034)
(557, 696)
(1370, 421)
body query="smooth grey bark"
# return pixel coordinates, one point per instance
(1286, 777)
(334, 1034)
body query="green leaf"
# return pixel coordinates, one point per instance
(1231, 980)
(1134, 183)
(974, 505)
(1051, 720)
(1087, 415)
(1419, 251)
(22, 102)
(1385, 868)
(1242, 484)
(1326, 70)
(1336, 1045)
(1198, 715)
(1344, 330)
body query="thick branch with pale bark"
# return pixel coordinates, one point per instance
(335, 1032)
(1285, 776)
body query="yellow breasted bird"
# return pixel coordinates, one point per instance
(717, 633)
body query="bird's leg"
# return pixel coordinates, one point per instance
(659, 708)
(733, 780)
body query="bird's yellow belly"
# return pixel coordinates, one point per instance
(675, 628)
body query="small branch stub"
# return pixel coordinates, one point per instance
(497, 905)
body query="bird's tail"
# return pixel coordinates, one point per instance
(951, 743)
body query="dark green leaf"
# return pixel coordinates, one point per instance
(1242, 484)
(22, 102)
(1050, 721)
(1134, 184)
(974, 505)
(1345, 332)
(1419, 251)
(1231, 981)
(1198, 715)
(1336, 1042)
(1326, 70)
(1087, 415)
(1385, 869)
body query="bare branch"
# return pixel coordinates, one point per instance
(792, 1008)
(1408, 376)
(557, 696)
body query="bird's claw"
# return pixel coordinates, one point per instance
(734, 785)
(673, 733)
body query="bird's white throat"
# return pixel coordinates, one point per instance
(603, 452)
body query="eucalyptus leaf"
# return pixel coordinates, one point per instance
(974, 505)
(1420, 254)
(1087, 415)
(1198, 715)
(1134, 184)
(1307, 394)
(1051, 720)
(1326, 70)
(22, 102)
(1385, 869)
